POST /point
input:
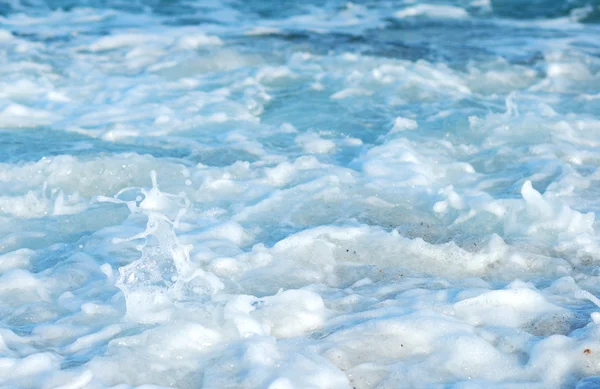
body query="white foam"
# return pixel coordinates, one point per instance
(432, 11)
(20, 116)
(199, 40)
(5, 36)
(291, 313)
(200, 195)
(313, 143)
(118, 41)
(16, 259)
(262, 31)
(351, 92)
(404, 124)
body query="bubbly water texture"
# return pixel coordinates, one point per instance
(299, 194)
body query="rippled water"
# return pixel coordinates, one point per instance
(299, 194)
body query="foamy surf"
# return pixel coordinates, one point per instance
(299, 195)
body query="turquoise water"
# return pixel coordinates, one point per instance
(317, 194)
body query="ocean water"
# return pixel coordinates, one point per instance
(299, 194)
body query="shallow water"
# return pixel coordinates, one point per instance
(250, 194)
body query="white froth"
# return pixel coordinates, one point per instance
(200, 195)
(404, 124)
(20, 116)
(432, 11)
(313, 143)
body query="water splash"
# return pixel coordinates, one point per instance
(164, 274)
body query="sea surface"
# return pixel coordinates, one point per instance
(299, 194)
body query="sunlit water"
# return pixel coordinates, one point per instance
(299, 194)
